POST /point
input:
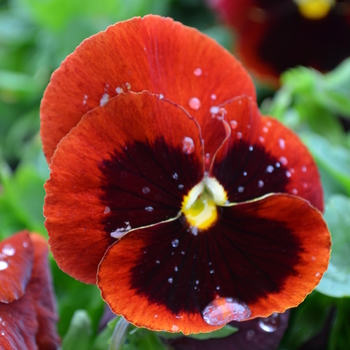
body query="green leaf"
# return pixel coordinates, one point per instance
(79, 333)
(336, 280)
(334, 159)
(340, 335)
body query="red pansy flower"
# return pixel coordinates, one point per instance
(27, 307)
(274, 35)
(171, 188)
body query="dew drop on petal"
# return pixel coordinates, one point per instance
(282, 143)
(224, 310)
(161, 96)
(211, 272)
(304, 169)
(214, 110)
(25, 244)
(313, 258)
(175, 243)
(157, 262)
(174, 328)
(261, 139)
(265, 129)
(107, 210)
(240, 189)
(317, 274)
(2, 333)
(8, 250)
(180, 187)
(128, 86)
(176, 269)
(270, 324)
(288, 173)
(295, 191)
(3, 265)
(175, 176)
(194, 103)
(269, 169)
(146, 190)
(170, 280)
(233, 124)
(104, 99)
(213, 96)
(85, 99)
(239, 135)
(197, 72)
(187, 145)
(251, 148)
(149, 209)
(260, 184)
(119, 90)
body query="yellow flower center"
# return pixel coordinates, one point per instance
(314, 9)
(200, 205)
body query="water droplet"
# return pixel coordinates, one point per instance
(194, 230)
(128, 86)
(107, 210)
(260, 184)
(270, 324)
(218, 288)
(149, 209)
(8, 250)
(239, 135)
(213, 96)
(104, 99)
(251, 148)
(283, 160)
(317, 274)
(245, 173)
(250, 334)
(175, 243)
(85, 99)
(261, 139)
(146, 190)
(313, 258)
(155, 316)
(304, 169)
(157, 262)
(233, 124)
(25, 244)
(214, 110)
(288, 173)
(194, 103)
(176, 268)
(187, 145)
(120, 232)
(270, 169)
(175, 328)
(282, 143)
(295, 191)
(211, 272)
(161, 96)
(268, 123)
(175, 176)
(3, 265)
(182, 252)
(240, 189)
(197, 72)
(197, 282)
(2, 333)
(180, 187)
(265, 129)
(224, 310)
(119, 90)
(170, 280)
(278, 165)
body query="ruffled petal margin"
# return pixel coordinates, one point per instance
(257, 254)
(127, 164)
(262, 156)
(191, 70)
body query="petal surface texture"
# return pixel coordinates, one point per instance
(30, 322)
(262, 156)
(189, 69)
(258, 254)
(128, 164)
(16, 262)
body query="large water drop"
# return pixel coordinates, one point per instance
(3, 265)
(270, 324)
(194, 103)
(8, 250)
(224, 310)
(187, 145)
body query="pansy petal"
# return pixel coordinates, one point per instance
(191, 70)
(257, 334)
(263, 156)
(126, 165)
(18, 324)
(16, 262)
(40, 287)
(257, 254)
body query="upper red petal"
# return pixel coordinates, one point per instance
(16, 262)
(152, 53)
(262, 156)
(127, 164)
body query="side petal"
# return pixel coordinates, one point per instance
(262, 156)
(258, 257)
(40, 287)
(150, 53)
(16, 262)
(128, 164)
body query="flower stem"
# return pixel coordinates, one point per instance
(119, 334)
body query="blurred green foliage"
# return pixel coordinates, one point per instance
(36, 35)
